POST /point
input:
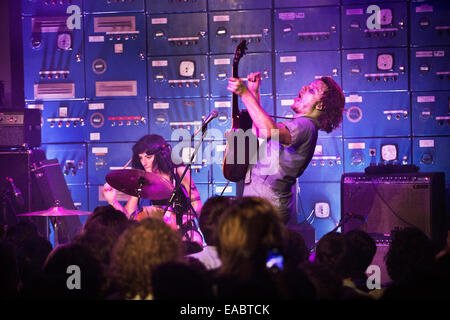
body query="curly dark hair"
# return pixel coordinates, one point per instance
(157, 145)
(334, 102)
(138, 251)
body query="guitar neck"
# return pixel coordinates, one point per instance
(235, 101)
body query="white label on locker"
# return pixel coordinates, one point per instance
(62, 111)
(161, 105)
(118, 48)
(442, 118)
(356, 145)
(119, 168)
(36, 106)
(287, 102)
(318, 151)
(94, 136)
(96, 38)
(424, 54)
(426, 143)
(160, 63)
(183, 38)
(288, 59)
(240, 36)
(422, 99)
(352, 12)
(394, 111)
(291, 15)
(220, 147)
(353, 98)
(355, 56)
(439, 53)
(221, 18)
(96, 106)
(424, 8)
(222, 104)
(228, 189)
(99, 150)
(221, 61)
(159, 21)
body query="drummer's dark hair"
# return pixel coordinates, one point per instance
(157, 145)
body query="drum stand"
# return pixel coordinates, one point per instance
(141, 182)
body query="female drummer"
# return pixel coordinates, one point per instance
(152, 153)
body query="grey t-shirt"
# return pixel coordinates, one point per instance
(274, 175)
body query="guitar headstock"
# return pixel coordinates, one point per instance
(240, 51)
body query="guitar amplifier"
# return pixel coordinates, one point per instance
(380, 203)
(20, 128)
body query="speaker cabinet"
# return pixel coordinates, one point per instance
(15, 165)
(48, 177)
(38, 184)
(20, 128)
(379, 203)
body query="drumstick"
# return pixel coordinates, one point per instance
(126, 164)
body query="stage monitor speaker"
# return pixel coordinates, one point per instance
(17, 193)
(380, 203)
(49, 179)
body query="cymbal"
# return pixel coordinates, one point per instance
(56, 212)
(154, 187)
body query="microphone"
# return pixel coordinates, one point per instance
(212, 115)
(356, 216)
(16, 192)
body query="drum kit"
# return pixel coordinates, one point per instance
(133, 182)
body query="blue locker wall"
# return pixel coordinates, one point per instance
(116, 55)
(390, 31)
(307, 29)
(116, 120)
(168, 115)
(53, 58)
(144, 66)
(169, 34)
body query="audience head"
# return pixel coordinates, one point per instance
(247, 232)
(296, 251)
(180, 280)
(105, 216)
(327, 283)
(212, 209)
(361, 249)
(410, 255)
(63, 265)
(331, 251)
(21, 232)
(138, 251)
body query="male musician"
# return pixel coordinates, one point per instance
(319, 106)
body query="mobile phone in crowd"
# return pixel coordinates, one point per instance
(275, 259)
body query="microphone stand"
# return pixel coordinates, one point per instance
(178, 214)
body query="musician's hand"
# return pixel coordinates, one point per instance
(109, 193)
(254, 82)
(237, 86)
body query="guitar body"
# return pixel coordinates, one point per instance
(232, 169)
